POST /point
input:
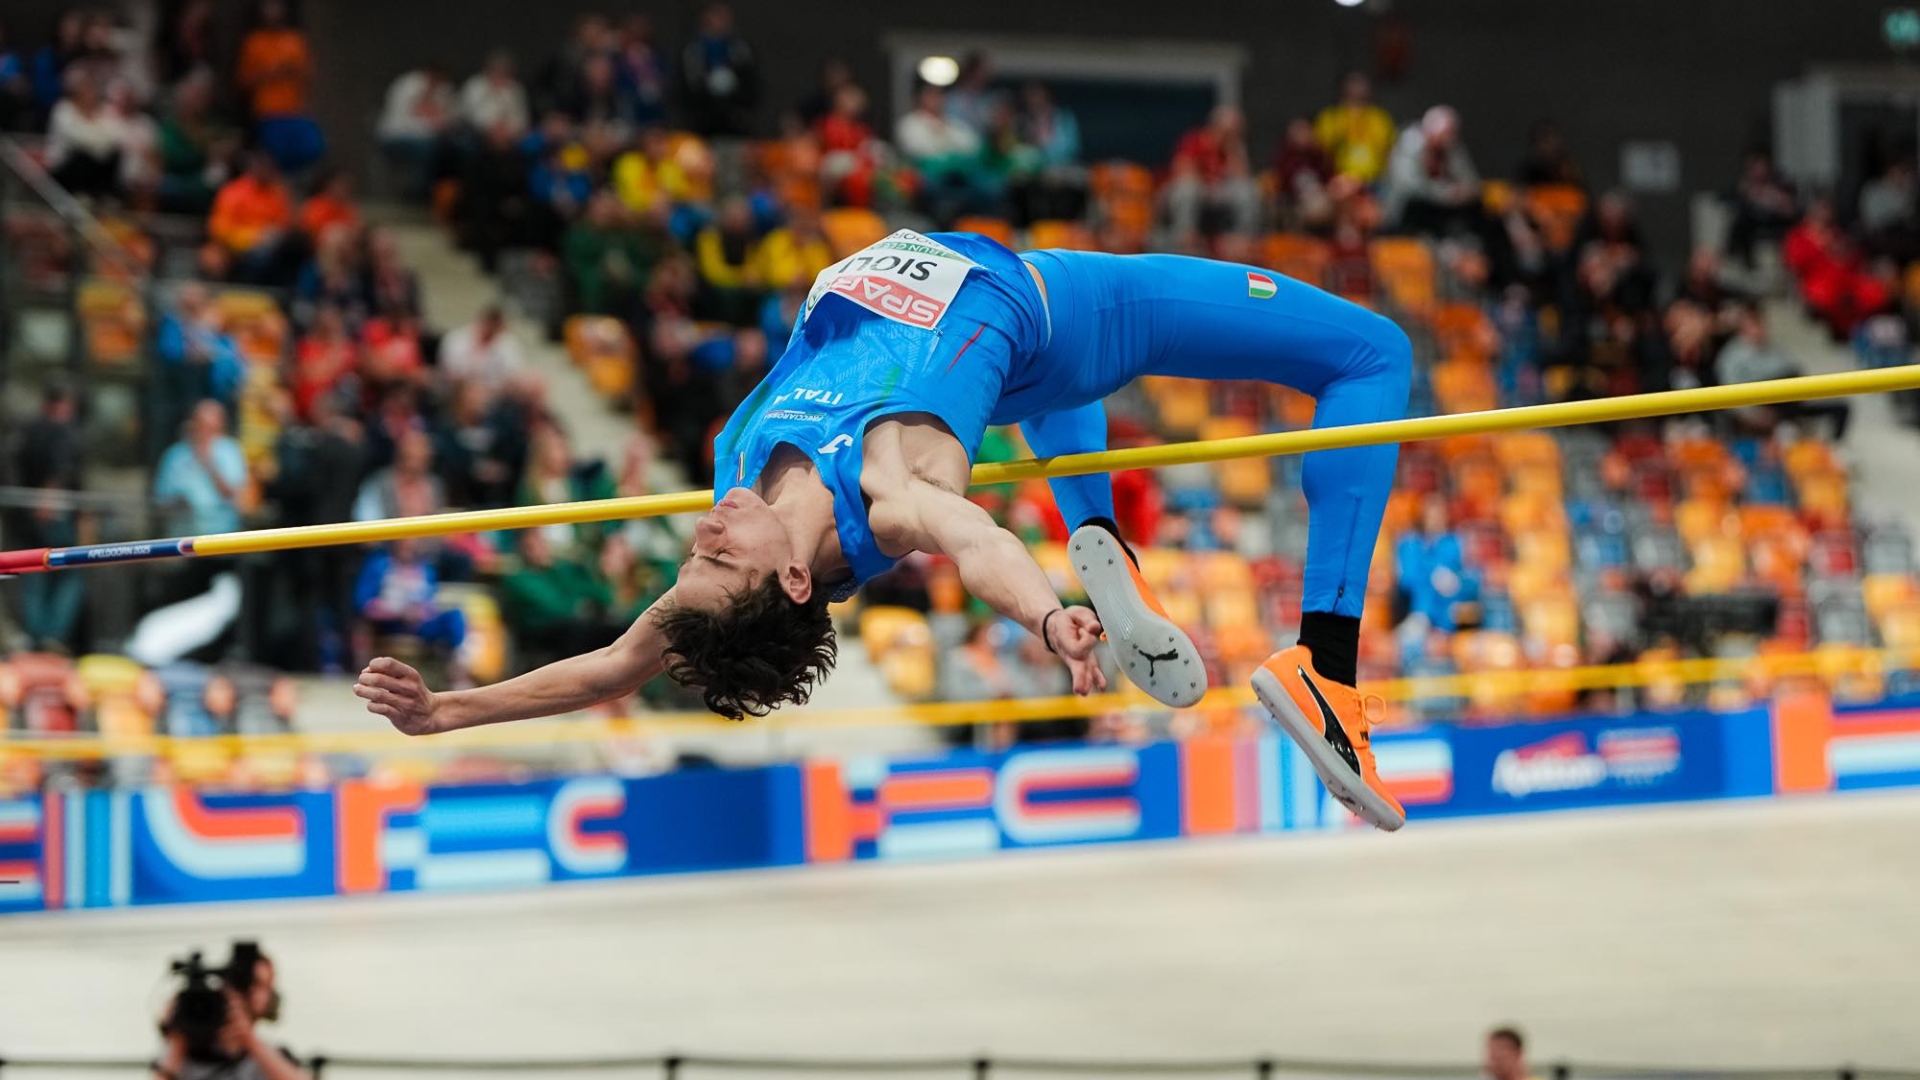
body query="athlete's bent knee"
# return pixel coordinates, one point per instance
(1386, 355)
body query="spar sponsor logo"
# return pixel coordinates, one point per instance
(1630, 757)
(890, 298)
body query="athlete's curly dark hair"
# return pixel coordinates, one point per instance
(759, 652)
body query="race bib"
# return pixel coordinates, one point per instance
(906, 277)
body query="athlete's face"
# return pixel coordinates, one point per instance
(734, 548)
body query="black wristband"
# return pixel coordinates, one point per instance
(1044, 639)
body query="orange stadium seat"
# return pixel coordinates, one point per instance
(992, 228)
(1405, 268)
(1303, 258)
(1068, 235)
(850, 228)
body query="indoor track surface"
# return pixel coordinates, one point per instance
(1775, 933)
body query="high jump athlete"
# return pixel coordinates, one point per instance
(855, 450)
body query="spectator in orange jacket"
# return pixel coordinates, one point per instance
(274, 71)
(251, 224)
(331, 204)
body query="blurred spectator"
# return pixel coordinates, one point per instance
(1303, 174)
(333, 276)
(1548, 161)
(318, 459)
(557, 605)
(47, 457)
(398, 594)
(1765, 206)
(484, 352)
(835, 73)
(551, 476)
(1431, 568)
(595, 97)
(395, 358)
(187, 47)
(1211, 188)
(325, 361)
(592, 36)
(725, 251)
(48, 67)
(196, 151)
(252, 223)
(197, 359)
(792, 254)
(641, 71)
(419, 113)
(975, 670)
(1507, 1055)
(393, 289)
(408, 487)
(1008, 164)
(493, 99)
(1834, 279)
(608, 256)
(201, 481)
(16, 87)
(970, 100)
(686, 397)
(719, 76)
(947, 154)
(141, 167)
(1431, 187)
(1356, 133)
(479, 447)
(1054, 134)
(496, 209)
(85, 137)
(850, 155)
(1886, 213)
(275, 68)
(330, 206)
(1752, 356)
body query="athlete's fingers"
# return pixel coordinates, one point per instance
(387, 665)
(380, 708)
(398, 687)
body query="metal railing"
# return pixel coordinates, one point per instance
(979, 1067)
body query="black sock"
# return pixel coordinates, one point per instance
(1113, 527)
(1334, 641)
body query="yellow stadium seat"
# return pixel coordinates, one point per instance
(1405, 268)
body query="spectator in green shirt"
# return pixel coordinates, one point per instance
(556, 606)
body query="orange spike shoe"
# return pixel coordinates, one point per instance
(1329, 722)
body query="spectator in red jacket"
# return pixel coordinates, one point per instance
(1211, 188)
(1835, 281)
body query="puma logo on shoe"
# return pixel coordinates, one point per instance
(1336, 734)
(1152, 659)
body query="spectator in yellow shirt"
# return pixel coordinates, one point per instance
(1357, 134)
(793, 254)
(726, 253)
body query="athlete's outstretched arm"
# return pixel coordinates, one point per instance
(997, 567)
(397, 692)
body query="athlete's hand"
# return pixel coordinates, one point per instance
(397, 692)
(1075, 635)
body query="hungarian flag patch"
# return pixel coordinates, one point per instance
(1260, 286)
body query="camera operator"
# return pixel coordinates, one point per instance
(210, 1030)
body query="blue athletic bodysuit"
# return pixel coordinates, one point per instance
(953, 325)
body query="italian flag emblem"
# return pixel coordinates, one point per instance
(1260, 286)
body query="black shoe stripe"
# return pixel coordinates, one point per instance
(1335, 733)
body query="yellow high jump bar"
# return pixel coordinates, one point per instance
(1417, 429)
